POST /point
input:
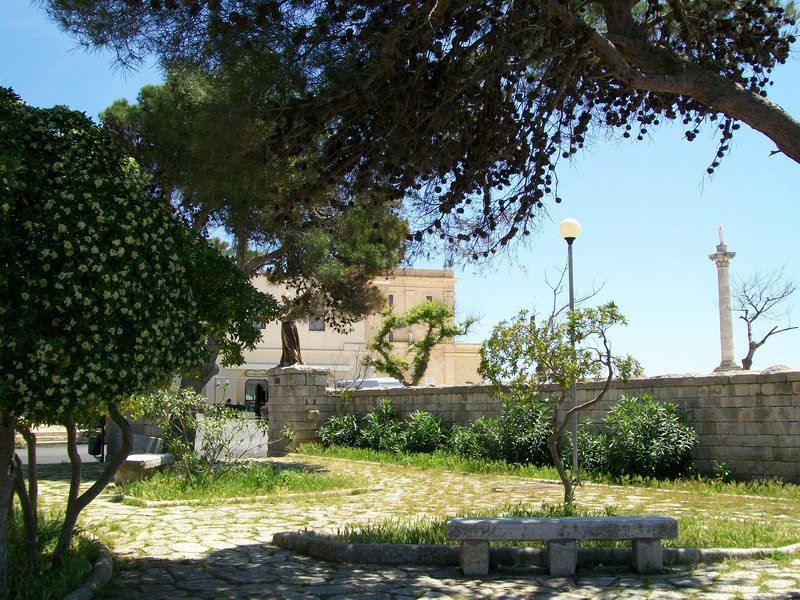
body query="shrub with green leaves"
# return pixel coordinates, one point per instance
(648, 438)
(424, 432)
(382, 429)
(592, 449)
(341, 430)
(222, 429)
(524, 428)
(480, 440)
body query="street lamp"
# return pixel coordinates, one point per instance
(570, 229)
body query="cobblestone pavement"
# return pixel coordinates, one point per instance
(224, 551)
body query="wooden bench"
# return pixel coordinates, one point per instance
(561, 535)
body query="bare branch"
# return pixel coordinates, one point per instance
(763, 297)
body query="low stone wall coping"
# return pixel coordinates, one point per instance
(319, 545)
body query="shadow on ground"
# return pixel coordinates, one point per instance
(90, 471)
(264, 571)
(298, 467)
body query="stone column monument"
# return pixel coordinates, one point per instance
(722, 259)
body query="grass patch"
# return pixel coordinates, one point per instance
(694, 531)
(26, 583)
(431, 530)
(252, 479)
(698, 484)
(724, 532)
(438, 460)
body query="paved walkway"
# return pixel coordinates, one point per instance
(219, 552)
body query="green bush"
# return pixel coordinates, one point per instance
(341, 431)
(424, 432)
(647, 438)
(382, 429)
(179, 411)
(524, 429)
(592, 449)
(479, 440)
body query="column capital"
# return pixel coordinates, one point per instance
(722, 257)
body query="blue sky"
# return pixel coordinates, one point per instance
(648, 210)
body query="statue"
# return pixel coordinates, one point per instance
(290, 341)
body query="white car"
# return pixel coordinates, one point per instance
(369, 382)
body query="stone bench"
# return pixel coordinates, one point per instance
(561, 535)
(139, 466)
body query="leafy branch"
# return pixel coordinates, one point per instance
(436, 322)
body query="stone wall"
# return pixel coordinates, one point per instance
(750, 421)
(298, 399)
(457, 405)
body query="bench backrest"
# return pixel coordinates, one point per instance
(562, 528)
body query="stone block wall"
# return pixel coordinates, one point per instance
(750, 421)
(457, 405)
(297, 399)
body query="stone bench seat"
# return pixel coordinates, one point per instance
(561, 535)
(138, 466)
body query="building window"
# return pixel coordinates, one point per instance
(391, 299)
(316, 323)
(428, 298)
(391, 336)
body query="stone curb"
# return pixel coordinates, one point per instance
(100, 575)
(319, 545)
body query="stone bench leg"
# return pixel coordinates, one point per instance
(475, 557)
(647, 555)
(562, 557)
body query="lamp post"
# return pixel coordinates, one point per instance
(570, 229)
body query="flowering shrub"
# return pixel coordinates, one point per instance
(104, 292)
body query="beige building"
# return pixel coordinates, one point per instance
(341, 354)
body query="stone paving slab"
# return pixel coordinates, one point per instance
(223, 551)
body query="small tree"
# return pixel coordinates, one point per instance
(227, 435)
(525, 353)
(763, 297)
(105, 294)
(436, 320)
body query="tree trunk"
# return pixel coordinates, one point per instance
(208, 370)
(33, 470)
(552, 445)
(747, 361)
(75, 503)
(7, 477)
(29, 516)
